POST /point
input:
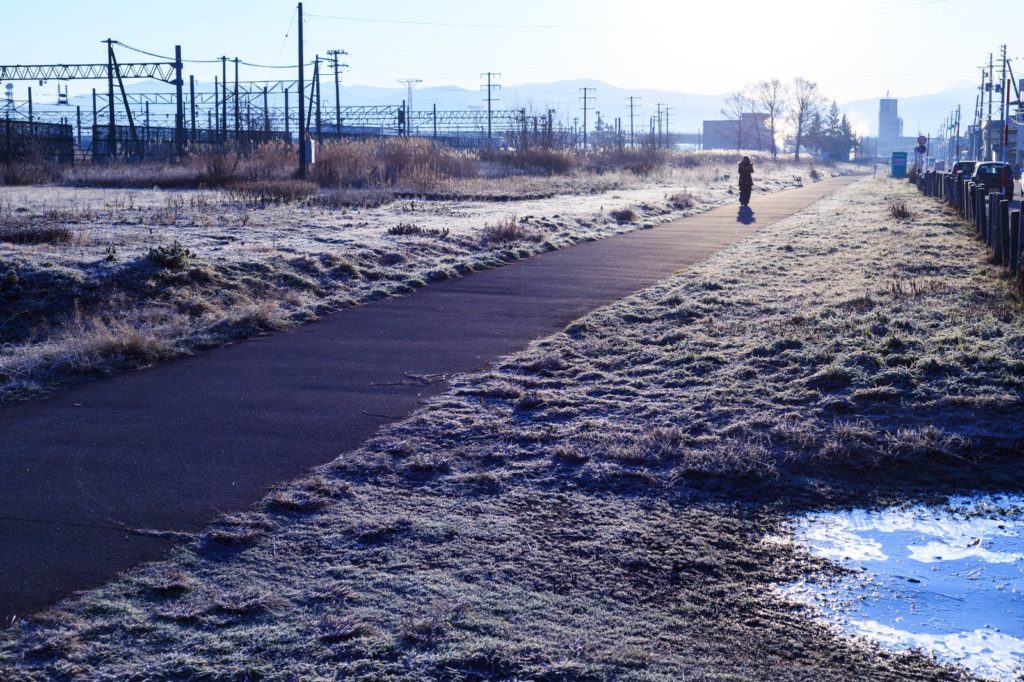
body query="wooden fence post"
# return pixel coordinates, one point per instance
(1014, 242)
(992, 219)
(979, 211)
(1001, 237)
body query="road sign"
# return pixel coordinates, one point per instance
(921, 139)
(920, 149)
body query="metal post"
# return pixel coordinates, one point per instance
(78, 120)
(266, 115)
(316, 84)
(216, 107)
(287, 128)
(224, 95)
(179, 114)
(302, 91)
(238, 112)
(1014, 242)
(192, 103)
(31, 120)
(111, 130)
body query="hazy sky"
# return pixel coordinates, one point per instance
(852, 49)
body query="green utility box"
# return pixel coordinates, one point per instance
(899, 164)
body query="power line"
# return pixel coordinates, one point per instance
(286, 33)
(468, 25)
(205, 61)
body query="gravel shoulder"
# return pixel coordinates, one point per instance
(605, 504)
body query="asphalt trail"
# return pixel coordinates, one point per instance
(111, 473)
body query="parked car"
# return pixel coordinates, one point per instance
(966, 166)
(995, 176)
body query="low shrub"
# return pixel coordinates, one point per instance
(682, 200)
(506, 231)
(624, 215)
(173, 257)
(35, 234)
(900, 211)
(403, 229)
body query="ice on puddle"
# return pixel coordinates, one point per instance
(947, 580)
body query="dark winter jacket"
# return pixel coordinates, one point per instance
(746, 171)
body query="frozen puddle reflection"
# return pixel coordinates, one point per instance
(947, 580)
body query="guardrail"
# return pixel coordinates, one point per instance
(989, 212)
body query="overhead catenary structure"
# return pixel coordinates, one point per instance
(168, 72)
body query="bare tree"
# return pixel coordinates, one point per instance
(804, 103)
(771, 96)
(737, 104)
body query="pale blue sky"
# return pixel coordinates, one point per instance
(852, 49)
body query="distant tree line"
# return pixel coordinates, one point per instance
(799, 109)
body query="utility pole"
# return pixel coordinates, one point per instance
(337, 88)
(111, 129)
(224, 96)
(491, 87)
(586, 98)
(632, 105)
(409, 84)
(238, 111)
(302, 96)
(668, 138)
(316, 84)
(991, 86)
(192, 104)
(659, 140)
(179, 113)
(1005, 106)
(957, 157)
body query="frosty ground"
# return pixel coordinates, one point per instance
(94, 281)
(603, 505)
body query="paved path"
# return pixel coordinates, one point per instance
(171, 447)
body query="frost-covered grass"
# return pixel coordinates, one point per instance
(601, 505)
(78, 275)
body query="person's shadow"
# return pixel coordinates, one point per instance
(745, 216)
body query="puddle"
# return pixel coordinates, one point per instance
(948, 580)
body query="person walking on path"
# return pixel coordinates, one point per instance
(746, 171)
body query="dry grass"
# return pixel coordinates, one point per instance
(506, 231)
(900, 211)
(261, 192)
(597, 506)
(35, 234)
(204, 258)
(624, 215)
(682, 200)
